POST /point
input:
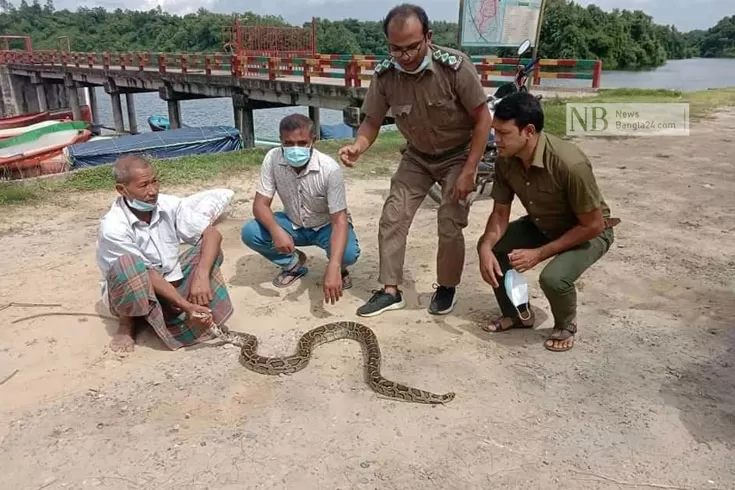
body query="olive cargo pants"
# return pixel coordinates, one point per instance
(558, 277)
(408, 188)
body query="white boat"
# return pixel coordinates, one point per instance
(13, 132)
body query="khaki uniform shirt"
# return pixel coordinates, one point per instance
(432, 109)
(557, 186)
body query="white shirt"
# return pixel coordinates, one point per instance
(156, 244)
(309, 198)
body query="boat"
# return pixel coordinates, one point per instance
(13, 132)
(336, 131)
(23, 120)
(158, 122)
(66, 113)
(172, 143)
(40, 150)
(35, 134)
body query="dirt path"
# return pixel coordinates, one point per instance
(646, 396)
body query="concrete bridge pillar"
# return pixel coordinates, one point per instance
(244, 121)
(92, 97)
(174, 113)
(173, 100)
(316, 118)
(73, 94)
(37, 81)
(132, 119)
(117, 114)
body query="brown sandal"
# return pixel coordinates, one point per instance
(560, 334)
(507, 323)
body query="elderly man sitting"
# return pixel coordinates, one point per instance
(143, 276)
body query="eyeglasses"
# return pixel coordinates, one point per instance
(411, 50)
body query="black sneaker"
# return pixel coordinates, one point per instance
(443, 300)
(380, 302)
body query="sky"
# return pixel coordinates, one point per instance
(681, 13)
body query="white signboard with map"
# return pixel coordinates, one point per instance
(498, 23)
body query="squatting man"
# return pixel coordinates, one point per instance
(568, 220)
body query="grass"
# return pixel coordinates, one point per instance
(701, 103)
(378, 161)
(186, 170)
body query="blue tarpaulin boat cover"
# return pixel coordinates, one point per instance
(336, 131)
(159, 145)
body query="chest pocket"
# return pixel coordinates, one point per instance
(405, 116)
(443, 111)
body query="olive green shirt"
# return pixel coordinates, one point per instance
(432, 109)
(557, 186)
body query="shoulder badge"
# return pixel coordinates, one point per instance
(383, 67)
(445, 58)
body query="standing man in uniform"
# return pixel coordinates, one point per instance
(567, 218)
(440, 107)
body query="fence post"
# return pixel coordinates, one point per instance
(356, 70)
(307, 76)
(271, 69)
(348, 74)
(537, 74)
(597, 74)
(161, 63)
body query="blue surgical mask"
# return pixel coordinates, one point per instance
(140, 205)
(516, 288)
(297, 156)
(420, 68)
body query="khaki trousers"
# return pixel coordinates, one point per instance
(408, 188)
(558, 277)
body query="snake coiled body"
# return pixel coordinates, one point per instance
(320, 335)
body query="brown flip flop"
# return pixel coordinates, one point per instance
(561, 334)
(516, 323)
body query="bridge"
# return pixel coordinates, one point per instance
(38, 80)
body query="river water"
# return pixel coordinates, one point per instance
(691, 74)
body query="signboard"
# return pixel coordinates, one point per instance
(498, 23)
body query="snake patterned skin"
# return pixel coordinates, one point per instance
(322, 334)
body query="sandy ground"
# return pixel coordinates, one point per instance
(647, 396)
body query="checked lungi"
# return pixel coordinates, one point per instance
(131, 294)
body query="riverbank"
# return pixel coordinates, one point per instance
(377, 162)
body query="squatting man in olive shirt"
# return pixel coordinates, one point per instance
(440, 107)
(567, 218)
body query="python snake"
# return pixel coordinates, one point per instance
(320, 335)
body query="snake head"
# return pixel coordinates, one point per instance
(447, 397)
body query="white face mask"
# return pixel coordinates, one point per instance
(516, 288)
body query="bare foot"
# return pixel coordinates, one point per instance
(123, 340)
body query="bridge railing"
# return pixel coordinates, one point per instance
(353, 70)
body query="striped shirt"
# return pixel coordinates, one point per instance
(309, 198)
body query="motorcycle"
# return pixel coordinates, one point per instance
(486, 167)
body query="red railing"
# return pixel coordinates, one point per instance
(352, 69)
(256, 40)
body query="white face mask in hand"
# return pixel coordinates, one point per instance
(516, 288)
